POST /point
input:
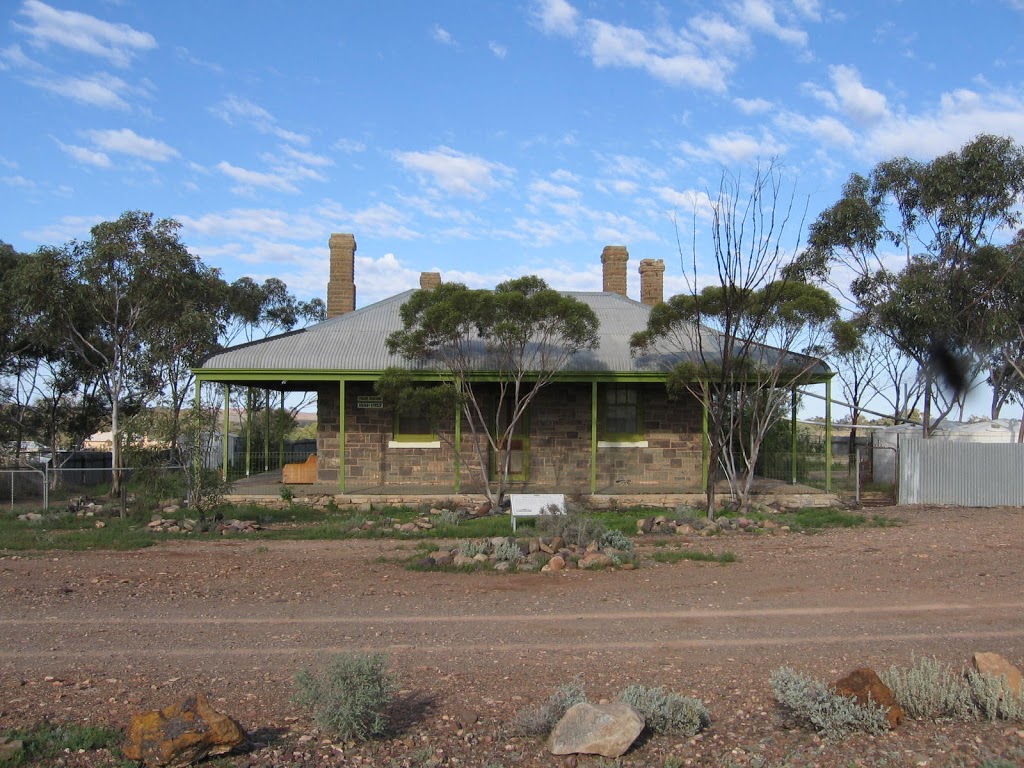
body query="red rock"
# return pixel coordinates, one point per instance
(181, 734)
(864, 682)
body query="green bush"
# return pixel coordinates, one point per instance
(541, 720)
(577, 526)
(929, 689)
(507, 550)
(473, 547)
(666, 712)
(807, 700)
(615, 539)
(349, 696)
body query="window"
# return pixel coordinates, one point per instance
(621, 414)
(413, 430)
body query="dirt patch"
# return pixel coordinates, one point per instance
(97, 637)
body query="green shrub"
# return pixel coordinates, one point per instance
(473, 547)
(666, 712)
(541, 720)
(508, 551)
(928, 689)
(349, 696)
(450, 517)
(615, 539)
(577, 526)
(48, 741)
(807, 700)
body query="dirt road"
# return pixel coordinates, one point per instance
(99, 636)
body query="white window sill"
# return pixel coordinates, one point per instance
(409, 444)
(622, 444)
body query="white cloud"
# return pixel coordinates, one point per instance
(827, 129)
(556, 17)
(348, 146)
(67, 228)
(85, 155)
(442, 35)
(185, 54)
(249, 223)
(538, 233)
(99, 90)
(248, 180)
(117, 43)
(455, 172)
(754, 106)
(234, 108)
(13, 56)
(127, 142)
(855, 99)
(546, 189)
(379, 220)
(499, 50)
(306, 158)
(18, 181)
(670, 58)
(735, 147)
(689, 201)
(716, 32)
(760, 15)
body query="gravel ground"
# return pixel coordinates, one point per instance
(96, 637)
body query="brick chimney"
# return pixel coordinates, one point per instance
(429, 280)
(341, 288)
(613, 261)
(652, 281)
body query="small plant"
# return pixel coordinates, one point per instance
(541, 720)
(349, 695)
(450, 517)
(576, 526)
(287, 494)
(696, 555)
(929, 689)
(472, 547)
(667, 712)
(810, 701)
(615, 539)
(508, 551)
(49, 740)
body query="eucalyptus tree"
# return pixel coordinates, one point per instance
(914, 233)
(741, 343)
(521, 334)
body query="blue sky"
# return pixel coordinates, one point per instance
(483, 139)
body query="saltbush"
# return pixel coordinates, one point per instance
(349, 695)
(541, 720)
(667, 712)
(577, 526)
(616, 539)
(807, 700)
(508, 551)
(472, 547)
(929, 689)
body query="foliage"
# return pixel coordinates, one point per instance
(577, 526)
(349, 695)
(541, 720)
(451, 517)
(473, 547)
(522, 334)
(946, 307)
(928, 689)
(507, 550)
(694, 555)
(206, 488)
(740, 344)
(812, 702)
(48, 741)
(616, 539)
(666, 712)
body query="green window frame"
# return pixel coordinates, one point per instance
(413, 428)
(621, 413)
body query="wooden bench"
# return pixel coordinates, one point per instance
(536, 504)
(300, 473)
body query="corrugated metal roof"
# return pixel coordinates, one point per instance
(355, 342)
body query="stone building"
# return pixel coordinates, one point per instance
(606, 424)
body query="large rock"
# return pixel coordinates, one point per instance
(997, 666)
(596, 729)
(181, 734)
(865, 682)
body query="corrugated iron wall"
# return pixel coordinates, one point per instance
(965, 474)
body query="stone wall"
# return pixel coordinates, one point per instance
(559, 445)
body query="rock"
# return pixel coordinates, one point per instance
(865, 681)
(533, 546)
(442, 557)
(557, 542)
(684, 529)
(596, 560)
(480, 557)
(181, 734)
(556, 563)
(504, 565)
(644, 525)
(461, 560)
(997, 666)
(596, 729)
(483, 509)
(408, 528)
